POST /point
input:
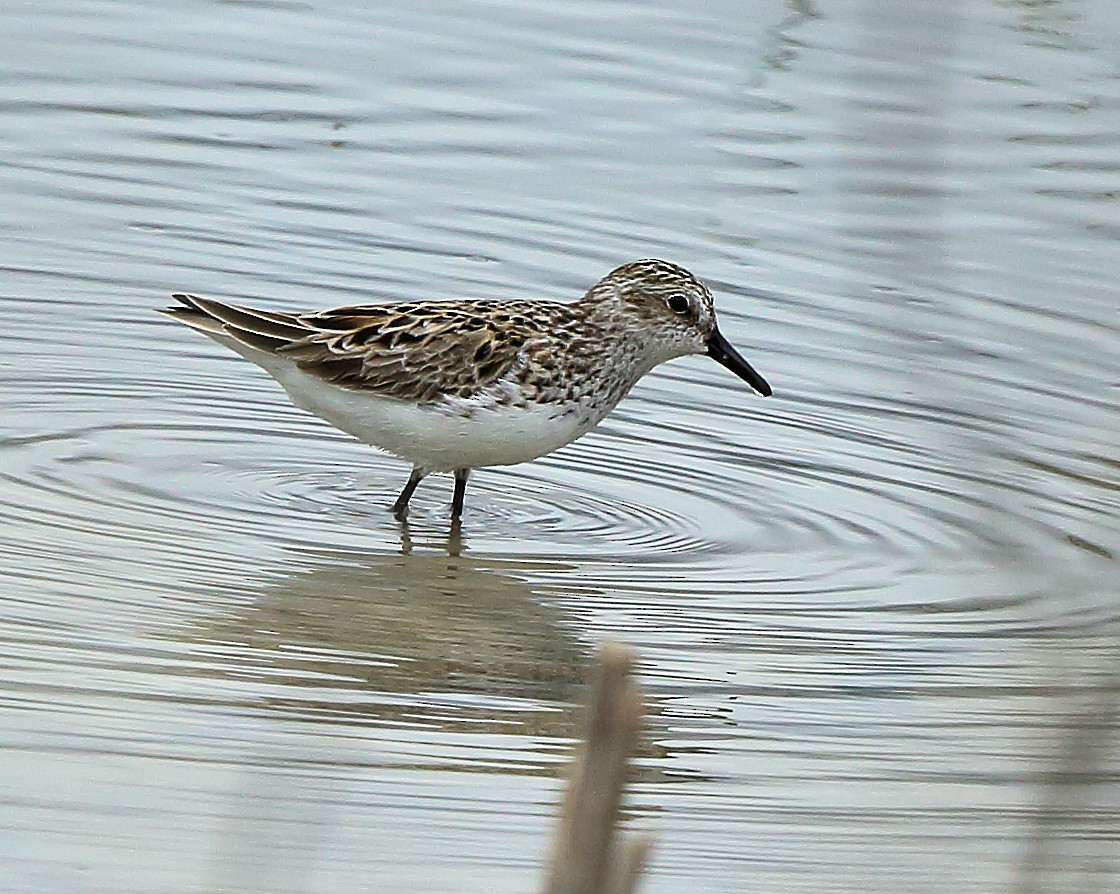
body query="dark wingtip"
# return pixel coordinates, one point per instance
(188, 301)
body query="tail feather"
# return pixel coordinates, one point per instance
(264, 330)
(195, 319)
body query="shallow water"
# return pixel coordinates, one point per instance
(878, 614)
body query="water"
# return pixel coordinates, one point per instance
(878, 614)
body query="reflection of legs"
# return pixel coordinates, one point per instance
(406, 536)
(400, 508)
(455, 538)
(460, 491)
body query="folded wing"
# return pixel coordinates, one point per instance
(406, 351)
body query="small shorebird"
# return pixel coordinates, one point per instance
(455, 385)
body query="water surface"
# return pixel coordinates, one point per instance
(878, 613)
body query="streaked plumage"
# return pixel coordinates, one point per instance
(454, 385)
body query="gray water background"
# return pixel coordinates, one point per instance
(878, 614)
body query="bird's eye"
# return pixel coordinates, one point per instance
(678, 304)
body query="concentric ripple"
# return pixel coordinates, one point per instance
(877, 612)
(669, 477)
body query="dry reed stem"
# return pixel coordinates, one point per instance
(631, 863)
(585, 858)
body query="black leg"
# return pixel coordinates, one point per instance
(460, 491)
(400, 508)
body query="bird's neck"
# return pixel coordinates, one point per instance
(613, 344)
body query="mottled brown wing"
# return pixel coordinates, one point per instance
(412, 352)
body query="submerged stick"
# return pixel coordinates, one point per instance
(585, 857)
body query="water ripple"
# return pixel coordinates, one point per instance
(897, 572)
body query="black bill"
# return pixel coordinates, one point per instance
(719, 349)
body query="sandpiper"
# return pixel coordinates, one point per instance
(455, 385)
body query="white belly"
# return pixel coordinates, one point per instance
(436, 438)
